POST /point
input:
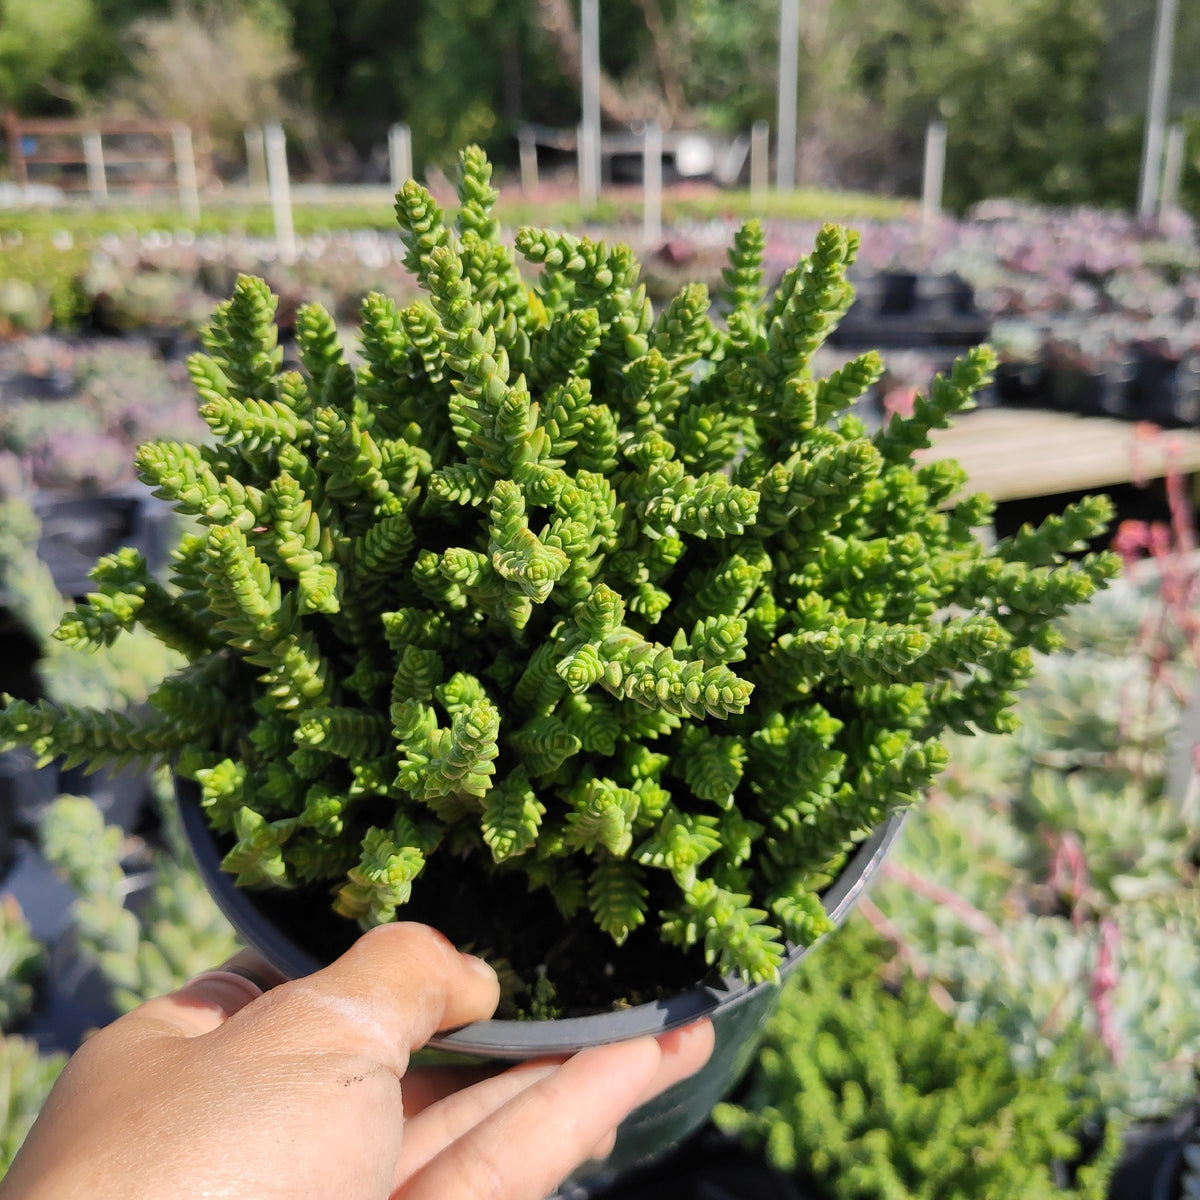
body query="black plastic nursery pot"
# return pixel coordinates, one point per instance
(739, 1012)
(1165, 387)
(20, 654)
(25, 791)
(77, 530)
(1151, 1167)
(37, 385)
(1091, 392)
(709, 1166)
(1022, 385)
(901, 308)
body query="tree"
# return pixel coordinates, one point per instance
(460, 70)
(1043, 99)
(43, 51)
(1017, 82)
(1022, 100)
(216, 67)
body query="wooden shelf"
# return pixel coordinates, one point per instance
(1015, 454)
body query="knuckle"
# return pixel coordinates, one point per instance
(476, 1174)
(412, 938)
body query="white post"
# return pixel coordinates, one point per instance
(589, 174)
(93, 154)
(281, 192)
(527, 144)
(1156, 108)
(256, 159)
(589, 140)
(789, 66)
(400, 155)
(760, 149)
(185, 172)
(1172, 170)
(934, 174)
(652, 183)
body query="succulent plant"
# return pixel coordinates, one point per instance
(124, 299)
(25, 579)
(41, 283)
(558, 599)
(177, 931)
(1123, 975)
(83, 444)
(1133, 846)
(25, 1080)
(25, 1074)
(22, 309)
(868, 1089)
(21, 960)
(1050, 884)
(125, 674)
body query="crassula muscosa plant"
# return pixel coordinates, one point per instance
(556, 597)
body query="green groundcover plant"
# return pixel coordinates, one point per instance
(583, 631)
(873, 1091)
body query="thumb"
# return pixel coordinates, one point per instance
(388, 994)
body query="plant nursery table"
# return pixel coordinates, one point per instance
(1020, 453)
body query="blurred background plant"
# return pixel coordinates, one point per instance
(40, 283)
(1033, 944)
(109, 397)
(1049, 885)
(1048, 889)
(140, 918)
(142, 914)
(21, 961)
(866, 1089)
(26, 1075)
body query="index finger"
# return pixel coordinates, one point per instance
(524, 1149)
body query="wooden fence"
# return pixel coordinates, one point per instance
(101, 156)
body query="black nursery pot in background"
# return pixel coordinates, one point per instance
(269, 923)
(1165, 388)
(1152, 1164)
(901, 308)
(1022, 384)
(76, 531)
(1084, 390)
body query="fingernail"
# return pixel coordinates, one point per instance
(481, 968)
(229, 990)
(255, 968)
(604, 1147)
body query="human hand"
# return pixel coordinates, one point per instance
(223, 1090)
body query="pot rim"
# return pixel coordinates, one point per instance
(519, 1039)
